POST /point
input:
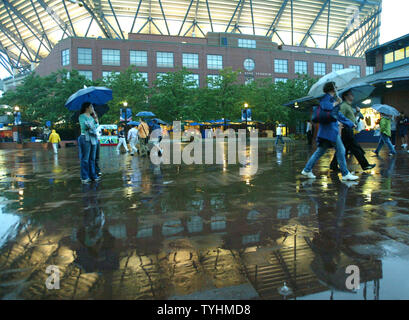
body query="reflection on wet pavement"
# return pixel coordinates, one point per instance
(201, 231)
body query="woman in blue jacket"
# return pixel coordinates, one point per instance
(328, 136)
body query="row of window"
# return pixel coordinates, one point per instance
(111, 57)
(397, 55)
(194, 79)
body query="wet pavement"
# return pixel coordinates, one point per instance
(202, 231)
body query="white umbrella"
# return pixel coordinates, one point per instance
(340, 77)
(385, 109)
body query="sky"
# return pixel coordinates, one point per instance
(394, 23)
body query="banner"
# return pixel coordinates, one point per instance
(125, 114)
(246, 114)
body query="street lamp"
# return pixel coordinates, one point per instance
(245, 108)
(16, 108)
(125, 104)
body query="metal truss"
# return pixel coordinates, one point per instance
(29, 29)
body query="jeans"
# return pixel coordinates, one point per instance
(384, 139)
(87, 154)
(350, 143)
(340, 152)
(279, 138)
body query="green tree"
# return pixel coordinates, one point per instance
(128, 86)
(173, 96)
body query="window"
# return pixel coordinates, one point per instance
(138, 58)
(111, 57)
(84, 56)
(107, 74)
(190, 60)
(280, 66)
(65, 57)
(86, 74)
(214, 62)
(319, 68)
(249, 64)
(223, 41)
(370, 70)
(357, 69)
(277, 80)
(160, 75)
(193, 78)
(389, 58)
(407, 52)
(164, 59)
(144, 75)
(400, 54)
(300, 67)
(247, 43)
(337, 67)
(212, 79)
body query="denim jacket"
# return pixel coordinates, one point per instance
(89, 128)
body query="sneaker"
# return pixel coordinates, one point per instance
(349, 177)
(85, 181)
(309, 175)
(369, 167)
(97, 178)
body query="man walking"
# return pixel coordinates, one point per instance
(55, 140)
(279, 134)
(143, 133)
(385, 137)
(122, 140)
(347, 135)
(133, 139)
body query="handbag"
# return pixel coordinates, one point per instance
(322, 116)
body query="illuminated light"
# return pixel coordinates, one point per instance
(21, 192)
(246, 105)
(16, 108)
(125, 104)
(367, 101)
(389, 84)
(296, 105)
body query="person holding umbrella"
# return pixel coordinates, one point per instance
(328, 135)
(385, 138)
(348, 137)
(87, 142)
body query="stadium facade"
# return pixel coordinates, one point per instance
(31, 30)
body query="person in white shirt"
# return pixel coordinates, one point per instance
(279, 134)
(133, 139)
(122, 140)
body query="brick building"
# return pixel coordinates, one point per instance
(153, 55)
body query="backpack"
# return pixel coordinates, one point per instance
(323, 116)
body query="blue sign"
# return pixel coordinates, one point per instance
(246, 115)
(48, 123)
(125, 115)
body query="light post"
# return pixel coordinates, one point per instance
(246, 106)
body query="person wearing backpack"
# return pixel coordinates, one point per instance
(328, 134)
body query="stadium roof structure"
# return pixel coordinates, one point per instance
(29, 29)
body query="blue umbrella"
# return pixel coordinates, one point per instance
(160, 121)
(360, 91)
(385, 109)
(133, 123)
(94, 95)
(145, 114)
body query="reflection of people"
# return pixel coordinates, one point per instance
(348, 137)
(87, 142)
(328, 136)
(54, 139)
(385, 138)
(403, 124)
